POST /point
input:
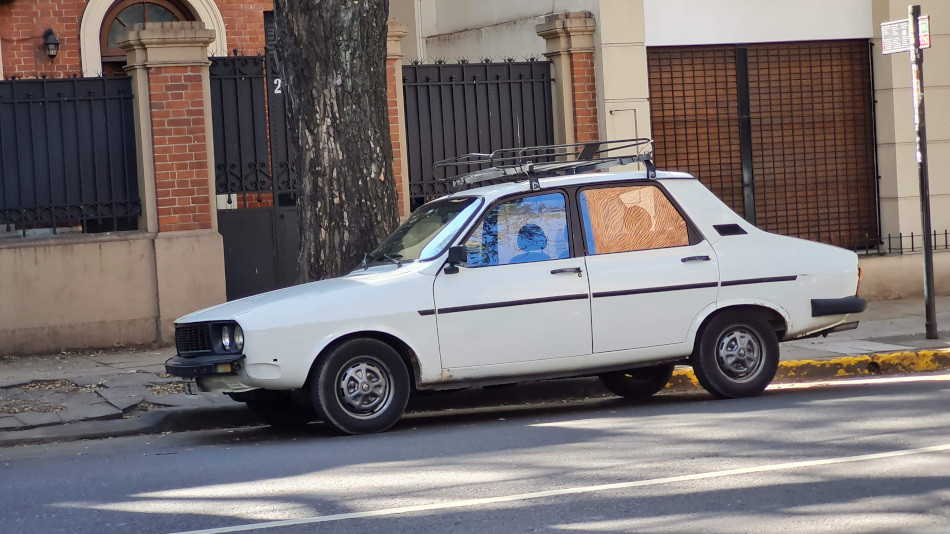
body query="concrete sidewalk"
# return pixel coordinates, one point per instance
(121, 392)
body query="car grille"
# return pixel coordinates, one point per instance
(191, 339)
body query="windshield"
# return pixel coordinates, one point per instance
(427, 232)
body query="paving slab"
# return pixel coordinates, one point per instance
(182, 400)
(128, 378)
(9, 423)
(87, 412)
(125, 397)
(31, 419)
(852, 346)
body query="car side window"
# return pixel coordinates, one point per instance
(521, 230)
(629, 218)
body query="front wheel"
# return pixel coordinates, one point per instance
(638, 383)
(737, 356)
(361, 387)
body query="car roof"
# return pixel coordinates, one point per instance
(492, 192)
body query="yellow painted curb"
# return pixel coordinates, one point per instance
(897, 363)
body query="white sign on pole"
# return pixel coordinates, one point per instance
(896, 37)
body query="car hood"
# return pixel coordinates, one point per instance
(381, 274)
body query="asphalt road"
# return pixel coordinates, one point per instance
(866, 456)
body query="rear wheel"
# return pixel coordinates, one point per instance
(361, 387)
(638, 383)
(738, 355)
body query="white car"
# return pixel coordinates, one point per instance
(619, 275)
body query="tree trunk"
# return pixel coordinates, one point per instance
(332, 55)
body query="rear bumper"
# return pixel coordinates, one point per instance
(842, 306)
(214, 364)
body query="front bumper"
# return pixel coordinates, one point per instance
(213, 364)
(842, 306)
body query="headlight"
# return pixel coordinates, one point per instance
(238, 338)
(226, 338)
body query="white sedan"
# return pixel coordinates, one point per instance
(618, 275)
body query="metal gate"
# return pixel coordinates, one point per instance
(67, 156)
(455, 109)
(255, 176)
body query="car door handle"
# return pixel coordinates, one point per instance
(695, 258)
(576, 270)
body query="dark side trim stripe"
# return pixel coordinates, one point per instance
(505, 304)
(760, 280)
(602, 294)
(621, 292)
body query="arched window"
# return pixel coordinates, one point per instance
(125, 13)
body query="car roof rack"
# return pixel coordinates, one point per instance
(534, 162)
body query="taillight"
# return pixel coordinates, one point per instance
(858, 289)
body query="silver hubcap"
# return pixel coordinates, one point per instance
(364, 387)
(739, 353)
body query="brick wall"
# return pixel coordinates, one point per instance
(181, 164)
(22, 24)
(393, 69)
(244, 22)
(585, 96)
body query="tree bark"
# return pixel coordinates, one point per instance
(332, 56)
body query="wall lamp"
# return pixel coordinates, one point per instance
(51, 42)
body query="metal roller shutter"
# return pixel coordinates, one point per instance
(811, 124)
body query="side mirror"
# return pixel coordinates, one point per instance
(457, 254)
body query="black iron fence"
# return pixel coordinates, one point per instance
(252, 153)
(456, 109)
(904, 243)
(67, 155)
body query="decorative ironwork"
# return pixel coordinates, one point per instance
(456, 109)
(251, 148)
(283, 150)
(67, 155)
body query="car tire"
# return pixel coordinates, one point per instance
(638, 383)
(281, 414)
(360, 387)
(737, 355)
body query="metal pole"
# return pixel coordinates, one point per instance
(917, 69)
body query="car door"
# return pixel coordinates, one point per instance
(650, 273)
(522, 295)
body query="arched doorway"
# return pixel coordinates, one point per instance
(125, 13)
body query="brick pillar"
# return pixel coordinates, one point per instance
(168, 63)
(569, 40)
(169, 60)
(397, 112)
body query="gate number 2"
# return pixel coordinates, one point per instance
(277, 82)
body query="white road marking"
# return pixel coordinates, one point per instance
(879, 380)
(570, 491)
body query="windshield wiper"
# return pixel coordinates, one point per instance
(369, 259)
(393, 258)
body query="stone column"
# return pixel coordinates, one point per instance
(168, 63)
(397, 112)
(570, 47)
